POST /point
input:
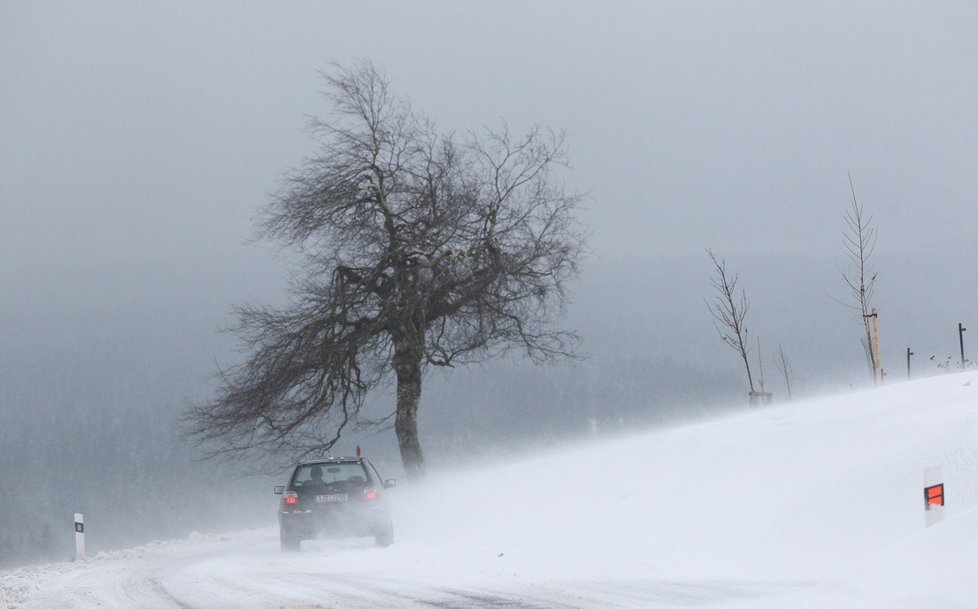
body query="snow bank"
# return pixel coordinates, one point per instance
(815, 504)
(19, 585)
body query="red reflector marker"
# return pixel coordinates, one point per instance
(369, 495)
(934, 496)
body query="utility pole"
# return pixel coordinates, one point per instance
(961, 330)
(909, 353)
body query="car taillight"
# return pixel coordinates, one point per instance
(369, 494)
(291, 498)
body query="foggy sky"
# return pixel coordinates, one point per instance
(138, 141)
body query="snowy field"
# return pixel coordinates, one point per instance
(817, 504)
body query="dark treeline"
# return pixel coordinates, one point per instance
(97, 431)
(491, 411)
(93, 434)
(93, 386)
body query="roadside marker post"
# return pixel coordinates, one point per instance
(933, 495)
(79, 537)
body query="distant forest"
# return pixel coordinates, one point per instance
(99, 433)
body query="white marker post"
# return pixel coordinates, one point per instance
(933, 495)
(79, 537)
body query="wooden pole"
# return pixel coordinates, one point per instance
(878, 372)
(961, 330)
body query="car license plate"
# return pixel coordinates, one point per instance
(331, 498)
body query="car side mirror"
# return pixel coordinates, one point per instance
(279, 490)
(390, 483)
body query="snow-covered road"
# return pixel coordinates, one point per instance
(813, 505)
(247, 570)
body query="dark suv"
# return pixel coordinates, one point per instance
(334, 497)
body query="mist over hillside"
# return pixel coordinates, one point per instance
(138, 147)
(93, 385)
(93, 388)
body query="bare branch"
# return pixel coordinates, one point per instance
(784, 366)
(419, 251)
(729, 312)
(858, 244)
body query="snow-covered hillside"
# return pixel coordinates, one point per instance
(817, 504)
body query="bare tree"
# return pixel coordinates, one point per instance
(858, 243)
(420, 250)
(784, 366)
(729, 311)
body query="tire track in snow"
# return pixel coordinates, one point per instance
(161, 591)
(247, 574)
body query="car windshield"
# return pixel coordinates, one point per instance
(317, 474)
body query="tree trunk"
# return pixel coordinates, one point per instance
(407, 367)
(869, 347)
(743, 356)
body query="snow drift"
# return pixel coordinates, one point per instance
(813, 504)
